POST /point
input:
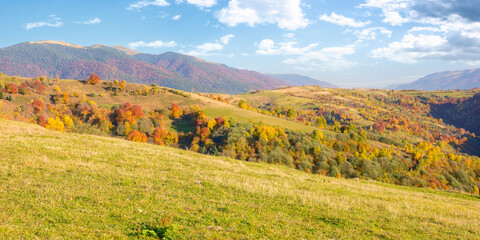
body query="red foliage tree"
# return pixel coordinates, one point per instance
(136, 136)
(94, 79)
(23, 89)
(159, 136)
(175, 111)
(137, 111)
(38, 106)
(42, 121)
(37, 86)
(220, 121)
(11, 88)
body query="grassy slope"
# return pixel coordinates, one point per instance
(79, 186)
(212, 107)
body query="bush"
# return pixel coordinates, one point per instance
(145, 125)
(136, 136)
(371, 169)
(347, 171)
(94, 79)
(278, 156)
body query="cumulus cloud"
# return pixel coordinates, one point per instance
(456, 39)
(206, 49)
(176, 17)
(391, 10)
(412, 48)
(370, 33)
(146, 3)
(287, 14)
(325, 59)
(268, 47)
(342, 21)
(54, 21)
(226, 39)
(154, 44)
(203, 3)
(91, 21)
(449, 30)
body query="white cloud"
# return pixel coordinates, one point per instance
(146, 3)
(342, 21)
(412, 48)
(268, 47)
(445, 30)
(326, 59)
(203, 3)
(206, 49)
(454, 39)
(394, 18)
(176, 17)
(370, 33)
(391, 10)
(155, 44)
(226, 39)
(424, 29)
(287, 14)
(54, 21)
(91, 21)
(289, 35)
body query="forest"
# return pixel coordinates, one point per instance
(400, 137)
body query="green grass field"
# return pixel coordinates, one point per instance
(59, 185)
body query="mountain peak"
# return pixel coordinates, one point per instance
(126, 50)
(461, 79)
(57, 42)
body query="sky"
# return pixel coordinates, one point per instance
(350, 43)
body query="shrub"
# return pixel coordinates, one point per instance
(136, 136)
(94, 79)
(278, 156)
(145, 125)
(175, 111)
(11, 88)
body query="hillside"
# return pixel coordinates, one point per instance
(464, 113)
(387, 136)
(53, 58)
(463, 79)
(59, 185)
(300, 80)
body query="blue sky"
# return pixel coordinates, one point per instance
(364, 43)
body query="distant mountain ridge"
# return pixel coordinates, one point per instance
(65, 60)
(300, 80)
(462, 79)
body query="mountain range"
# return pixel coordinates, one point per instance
(462, 79)
(170, 69)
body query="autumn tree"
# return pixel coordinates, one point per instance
(23, 89)
(11, 88)
(242, 104)
(136, 136)
(175, 111)
(94, 79)
(122, 85)
(162, 137)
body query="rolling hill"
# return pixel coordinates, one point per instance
(59, 185)
(65, 60)
(300, 80)
(462, 79)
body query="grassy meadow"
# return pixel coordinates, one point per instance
(59, 185)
